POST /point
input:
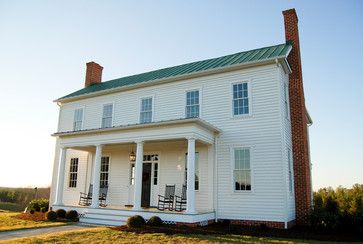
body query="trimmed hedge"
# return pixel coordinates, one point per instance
(135, 221)
(155, 221)
(72, 215)
(51, 216)
(61, 213)
(38, 204)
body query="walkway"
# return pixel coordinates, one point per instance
(11, 234)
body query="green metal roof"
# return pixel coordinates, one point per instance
(255, 55)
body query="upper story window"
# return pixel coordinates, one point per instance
(286, 100)
(107, 115)
(192, 104)
(146, 110)
(73, 170)
(78, 119)
(240, 99)
(242, 169)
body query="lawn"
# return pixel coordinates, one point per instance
(108, 235)
(8, 221)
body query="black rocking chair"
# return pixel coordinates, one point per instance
(181, 201)
(103, 196)
(85, 199)
(168, 199)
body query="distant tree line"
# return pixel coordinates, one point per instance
(22, 196)
(339, 209)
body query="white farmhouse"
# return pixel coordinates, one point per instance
(218, 139)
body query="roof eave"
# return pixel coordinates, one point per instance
(174, 78)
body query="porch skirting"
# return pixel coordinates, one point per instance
(116, 217)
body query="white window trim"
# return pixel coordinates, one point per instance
(200, 100)
(232, 164)
(249, 90)
(109, 169)
(152, 108)
(113, 113)
(69, 175)
(82, 124)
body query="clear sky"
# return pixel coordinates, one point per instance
(44, 46)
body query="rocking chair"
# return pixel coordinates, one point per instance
(181, 201)
(85, 199)
(168, 199)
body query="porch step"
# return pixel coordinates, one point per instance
(102, 221)
(103, 218)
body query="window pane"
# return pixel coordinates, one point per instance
(192, 104)
(240, 99)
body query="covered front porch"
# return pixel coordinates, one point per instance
(176, 153)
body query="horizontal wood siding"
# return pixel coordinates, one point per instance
(261, 131)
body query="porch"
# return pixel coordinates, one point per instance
(174, 154)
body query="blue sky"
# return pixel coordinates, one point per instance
(45, 45)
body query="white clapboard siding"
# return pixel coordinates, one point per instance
(263, 132)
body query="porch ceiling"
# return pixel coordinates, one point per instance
(155, 131)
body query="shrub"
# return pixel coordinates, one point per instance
(43, 210)
(31, 211)
(155, 221)
(72, 215)
(135, 221)
(61, 213)
(51, 215)
(38, 204)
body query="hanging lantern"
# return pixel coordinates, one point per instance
(132, 156)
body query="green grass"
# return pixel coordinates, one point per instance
(10, 206)
(8, 221)
(107, 235)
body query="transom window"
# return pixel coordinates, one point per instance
(146, 110)
(192, 104)
(242, 169)
(107, 115)
(105, 165)
(289, 162)
(73, 172)
(196, 182)
(78, 118)
(240, 99)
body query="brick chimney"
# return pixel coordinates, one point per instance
(298, 122)
(93, 74)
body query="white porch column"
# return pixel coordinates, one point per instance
(191, 177)
(96, 177)
(60, 178)
(138, 175)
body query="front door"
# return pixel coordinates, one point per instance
(146, 185)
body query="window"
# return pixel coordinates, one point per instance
(107, 115)
(240, 99)
(196, 183)
(242, 169)
(105, 164)
(156, 173)
(73, 172)
(132, 174)
(77, 120)
(286, 95)
(146, 110)
(289, 162)
(192, 106)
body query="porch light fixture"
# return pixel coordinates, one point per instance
(132, 156)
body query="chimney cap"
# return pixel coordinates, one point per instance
(290, 11)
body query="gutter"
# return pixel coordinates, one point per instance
(174, 78)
